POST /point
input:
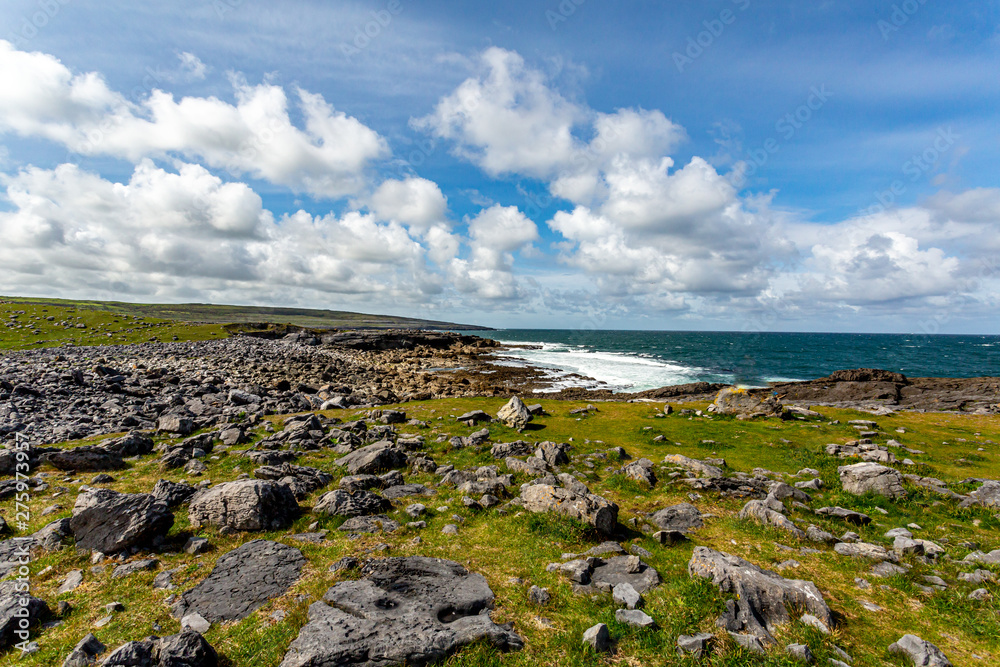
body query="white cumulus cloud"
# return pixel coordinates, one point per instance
(255, 136)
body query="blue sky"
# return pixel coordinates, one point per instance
(821, 167)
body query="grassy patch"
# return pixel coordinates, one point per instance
(512, 550)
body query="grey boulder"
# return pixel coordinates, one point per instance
(587, 508)
(185, 649)
(15, 607)
(374, 458)
(682, 518)
(761, 596)
(108, 521)
(922, 653)
(861, 478)
(761, 512)
(246, 504)
(514, 414)
(302, 480)
(359, 503)
(85, 652)
(84, 459)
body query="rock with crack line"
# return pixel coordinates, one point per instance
(762, 596)
(108, 521)
(246, 504)
(587, 508)
(412, 611)
(243, 580)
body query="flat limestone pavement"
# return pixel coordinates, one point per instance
(412, 611)
(243, 580)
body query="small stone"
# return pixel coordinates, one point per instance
(633, 565)
(101, 622)
(195, 622)
(634, 617)
(693, 645)
(196, 545)
(749, 642)
(539, 596)
(345, 563)
(72, 581)
(625, 594)
(450, 529)
(800, 652)
(597, 637)
(814, 622)
(980, 594)
(85, 652)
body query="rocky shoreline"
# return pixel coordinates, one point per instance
(272, 503)
(69, 393)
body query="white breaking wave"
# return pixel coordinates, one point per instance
(611, 370)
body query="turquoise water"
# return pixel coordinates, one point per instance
(637, 360)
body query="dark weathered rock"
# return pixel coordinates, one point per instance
(133, 444)
(405, 490)
(502, 450)
(413, 610)
(85, 652)
(376, 523)
(84, 459)
(850, 516)
(474, 417)
(598, 638)
(130, 568)
(302, 480)
(761, 595)
(15, 606)
(243, 580)
(107, 521)
(590, 509)
(693, 645)
(374, 458)
(173, 494)
(682, 518)
(249, 504)
(359, 503)
(185, 649)
(922, 653)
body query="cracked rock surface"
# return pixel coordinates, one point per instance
(411, 611)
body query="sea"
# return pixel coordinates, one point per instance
(627, 361)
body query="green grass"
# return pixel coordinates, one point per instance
(222, 314)
(27, 326)
(520, 545)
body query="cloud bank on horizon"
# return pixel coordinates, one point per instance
(501, 196)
